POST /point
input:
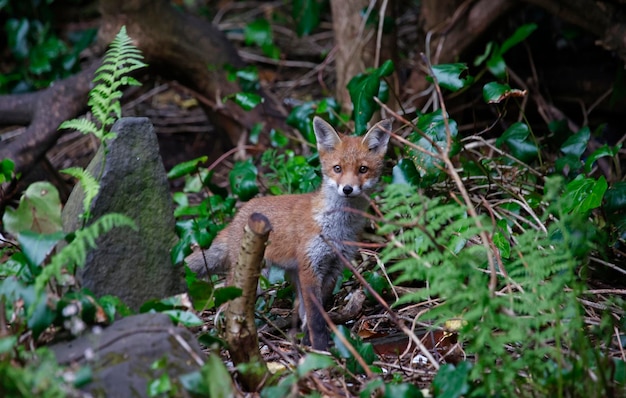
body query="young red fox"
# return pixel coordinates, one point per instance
(304, 226)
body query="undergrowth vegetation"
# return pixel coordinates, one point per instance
(37, 285)
(488, 248)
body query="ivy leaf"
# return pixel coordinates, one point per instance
(36, 247)
(584, 194)
(376, 281)
(7, 343)
(615, 206)
(494, 93)
(216, 377)
(247, 101)
(601, 152)
(258, 32)
(516, 138)
(226, 293)
(41, 316)
(39, 211)
(186, 168)
(278, 139)
(185, 318)
(243, 180)
(433, 125)
(496, 63)
(363, 88)
(452, 76)
(576, 144)
(402, 390)
(452, 381)
(313, 361)
(497, 66)
(517, 37)
(306, 13)
(405, 173)
(502, 244)
(7, 168)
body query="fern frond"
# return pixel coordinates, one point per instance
(75, 253)
(120, 59)
(90, 185)
(85, 126)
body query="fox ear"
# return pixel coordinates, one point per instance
(326, 136)
(377, 137)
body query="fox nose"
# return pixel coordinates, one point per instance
(348, 189)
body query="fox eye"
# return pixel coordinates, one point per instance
(337, 169)
(363, 169)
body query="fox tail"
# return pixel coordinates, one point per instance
(211, 261)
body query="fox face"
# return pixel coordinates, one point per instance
(351, 166)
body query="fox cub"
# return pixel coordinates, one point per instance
(304, 226)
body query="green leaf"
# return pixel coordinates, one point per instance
(201, 294)
(113, 306)
(452, 381)
(517, 37)
(7, 168)
(363, 88)
(226, 293)
(36, 247)
(494, 93)
(376, 281)
(405, 173)
(301, 116)
(160, 386)
(601, 152)
(365, 350)
(584, 194)
(193, 383)
(185, 318)
(485, 55)
(39, 211)
(576, 144)
(402, 390)
(247, 101)
(41, 316)
(615, 198)
(255, 133)
(278, 139)
(433, 126)
(271, 50)
(258, 32)
(243, 180)
(7, 344)
(82, 376)
(497, 66)
(516, 137)
(186, 168)
(452, 76)
(306, 13)
(17, 35)
(313, 361)
(502, 244)
(216, 377)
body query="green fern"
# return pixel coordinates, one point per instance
(90, 185)
(428, 235)
(75, 253)
(121, 59)
(517, 335)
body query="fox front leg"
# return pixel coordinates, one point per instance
(311, 307)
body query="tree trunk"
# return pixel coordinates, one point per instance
(357, 46)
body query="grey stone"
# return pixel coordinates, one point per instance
(133, 265)
(121, 355)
